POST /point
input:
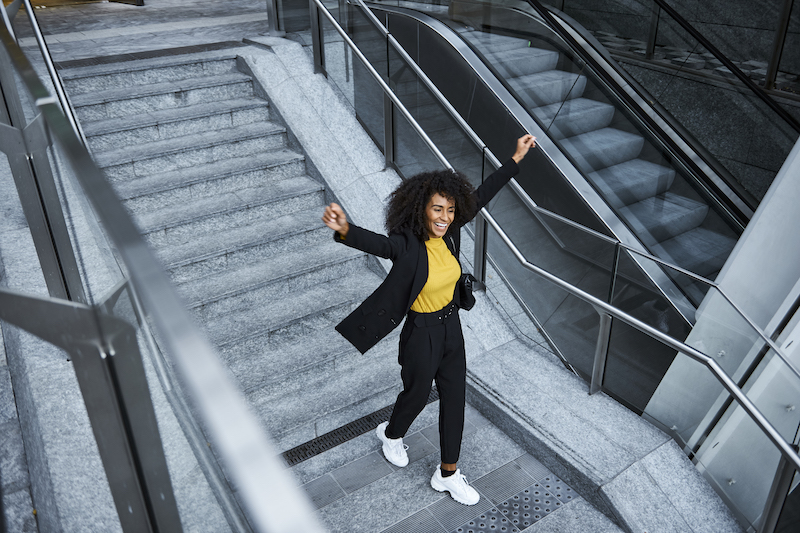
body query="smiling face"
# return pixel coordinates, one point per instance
(439, 214)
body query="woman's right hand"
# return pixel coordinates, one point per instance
(335, 219)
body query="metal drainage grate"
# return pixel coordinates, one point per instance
(149, 54)
(340, 435)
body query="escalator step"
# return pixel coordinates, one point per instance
(632, 181)
(662, 217)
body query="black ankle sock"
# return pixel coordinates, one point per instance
(447, 473)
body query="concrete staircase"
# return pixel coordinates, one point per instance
(218, 191)
(659, 206)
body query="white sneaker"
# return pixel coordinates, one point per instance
(393, 449)
(456, 485)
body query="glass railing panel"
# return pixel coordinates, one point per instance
(411, 154)
(740, 462)
(789, 518)
(349, 74)
(440, 126)
(549, 242)
(696, 90)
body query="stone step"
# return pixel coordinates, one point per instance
(191, 150)
(272, 362)
(180, 224)
(281, 316)
(662, 217)
(246, 245)
(632, 181)
(573, 117)
(518, 62)
(544, 88)
(156, 191)
(138, 99)
(109, 134)
(88, 79)
(240, 289)
(602, 148)
(304, 406)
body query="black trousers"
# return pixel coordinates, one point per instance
(429, 353)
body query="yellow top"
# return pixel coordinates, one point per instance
(443, 274)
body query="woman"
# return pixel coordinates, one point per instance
(423, 220)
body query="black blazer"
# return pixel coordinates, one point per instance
(385, 308)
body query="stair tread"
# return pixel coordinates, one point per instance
(224, 242)
(164, 116)
(130, 154)
(226, 283)
(602, 148)
(138, 91)
(164, 181)
(75, 73)
(276, 361)
(252, 322)
(306, 397)
(172, 216)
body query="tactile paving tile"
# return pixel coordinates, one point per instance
(558, 488)
(529, 506)
(492, 521)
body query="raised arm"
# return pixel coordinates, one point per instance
(363, 239)
(492, 185)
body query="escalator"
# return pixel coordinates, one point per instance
(607, 164)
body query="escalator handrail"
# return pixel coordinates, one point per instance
(523, 195)
(786, 449)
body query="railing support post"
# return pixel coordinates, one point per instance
(601, 353)
(479, 261)
(777, 495)
(650, 50)
(778, 44)
(388, 130)
(316, 36)
(272, 19)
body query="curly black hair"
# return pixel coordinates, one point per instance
(407, 204)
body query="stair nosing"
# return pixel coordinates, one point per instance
(194, 111)
(106, 96)
(123, 156)
(312, 188)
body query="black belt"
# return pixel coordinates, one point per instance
(433, 319)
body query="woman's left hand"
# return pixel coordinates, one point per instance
(524, 143)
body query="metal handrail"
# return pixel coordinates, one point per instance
(273, 500)
(58, 85)
(518, 189)
(602, 307)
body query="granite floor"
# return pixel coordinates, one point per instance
(359, 491)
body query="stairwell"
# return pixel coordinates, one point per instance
(223, 196)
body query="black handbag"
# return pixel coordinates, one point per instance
(465, 298)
